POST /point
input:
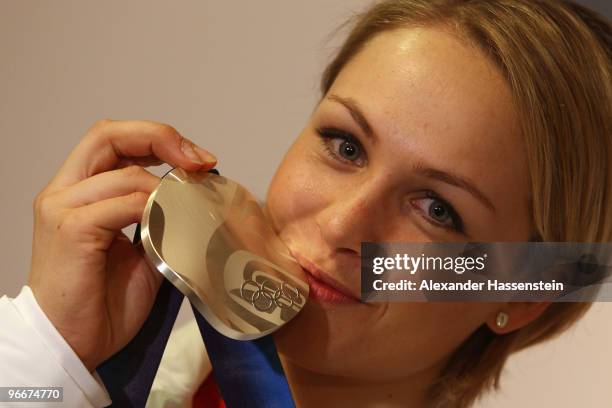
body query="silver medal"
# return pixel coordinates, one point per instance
(209, 237)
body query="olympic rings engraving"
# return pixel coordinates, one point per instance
(267, 294)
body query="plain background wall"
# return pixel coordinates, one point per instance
(239, 78)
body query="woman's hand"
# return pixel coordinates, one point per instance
(88, 278)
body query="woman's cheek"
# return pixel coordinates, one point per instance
(296, 191)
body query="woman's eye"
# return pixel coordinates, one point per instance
(342, 145)
(439, 212)
(347, 149)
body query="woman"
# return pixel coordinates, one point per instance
(439, 121)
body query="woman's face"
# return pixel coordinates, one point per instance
(417, 140)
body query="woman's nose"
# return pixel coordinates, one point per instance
(352, 218)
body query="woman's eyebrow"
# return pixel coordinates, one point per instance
(353, 107)
(453, 179)
(457, 181)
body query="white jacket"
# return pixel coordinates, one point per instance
(34, 354)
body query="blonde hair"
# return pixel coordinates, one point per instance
(557, 58)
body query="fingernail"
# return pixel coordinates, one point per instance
(188, 150)
(208, 157)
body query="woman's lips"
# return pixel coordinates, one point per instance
(325, 293)
(323, 287)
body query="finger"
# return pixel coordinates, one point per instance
(106, 185)
(108, 142)
(107, 217)
(139, 161)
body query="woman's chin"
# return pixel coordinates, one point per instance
(320, 336)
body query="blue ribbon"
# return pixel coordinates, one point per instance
(249, 373)
(128, 375)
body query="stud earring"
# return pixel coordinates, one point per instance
(502, 320)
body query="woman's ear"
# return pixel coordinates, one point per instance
(515, 315)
